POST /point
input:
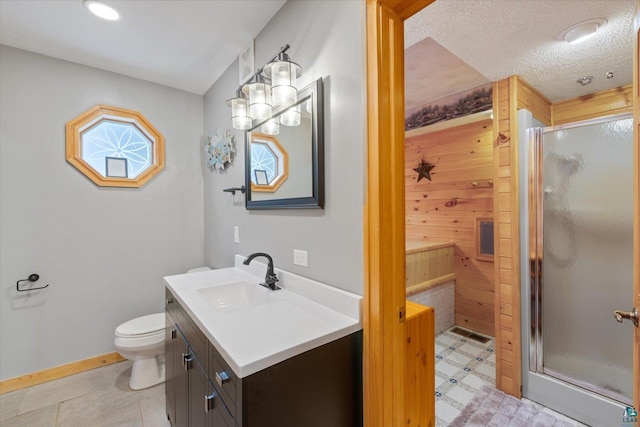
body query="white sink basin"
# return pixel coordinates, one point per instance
(254, 327)
(234, 296)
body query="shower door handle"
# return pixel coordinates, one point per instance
(631, 315)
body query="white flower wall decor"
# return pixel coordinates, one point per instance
(219, 149)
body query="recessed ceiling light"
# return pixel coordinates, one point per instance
(101, 10)
(582, 31)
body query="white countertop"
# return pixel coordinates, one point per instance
(254, 327)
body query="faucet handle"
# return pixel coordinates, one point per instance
(270, 281)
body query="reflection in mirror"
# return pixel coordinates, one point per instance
(284, 156)
(269, 163)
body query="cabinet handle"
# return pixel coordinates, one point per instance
(222, 378)
(209, 402)
(187, 358)
(173, 334)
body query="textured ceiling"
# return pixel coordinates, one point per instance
(188, 44)
(183, 44)
(499, 38)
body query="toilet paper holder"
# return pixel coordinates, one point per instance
(34, 277)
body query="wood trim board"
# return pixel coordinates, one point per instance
(58, 372)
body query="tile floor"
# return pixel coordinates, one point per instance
(463, 366)
(97, 398)
(102, 397)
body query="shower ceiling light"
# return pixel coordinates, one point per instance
(101, 10)
(585, 80)
(582, 31)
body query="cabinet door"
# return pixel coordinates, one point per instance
(218, 414)
(184, 360)
(170, 343)
(197, 392)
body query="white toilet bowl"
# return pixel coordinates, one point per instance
(141, 340)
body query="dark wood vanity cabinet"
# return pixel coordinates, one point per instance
(191, 398)
(321, 387)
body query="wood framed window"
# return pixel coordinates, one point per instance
(114, 147)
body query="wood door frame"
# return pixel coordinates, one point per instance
(384, 249)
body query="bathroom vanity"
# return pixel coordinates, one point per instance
(239, 354)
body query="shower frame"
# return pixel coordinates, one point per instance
(536, 250)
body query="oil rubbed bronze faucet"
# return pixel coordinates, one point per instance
(270, 279)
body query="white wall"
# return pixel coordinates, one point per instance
(327, 40)
(102, 250)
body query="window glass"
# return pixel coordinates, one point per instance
(111, 138)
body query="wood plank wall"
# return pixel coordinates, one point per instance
(613, 101)
(507, 295)
(461, 190)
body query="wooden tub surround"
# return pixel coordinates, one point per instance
(429, 264)
(431, 280)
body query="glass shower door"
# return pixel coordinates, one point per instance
(582, 241)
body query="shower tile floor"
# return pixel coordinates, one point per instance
(101, 397)
(463, 366)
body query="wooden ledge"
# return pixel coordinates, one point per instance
(423, 286)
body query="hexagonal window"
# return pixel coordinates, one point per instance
(115, 147)
(269, 163)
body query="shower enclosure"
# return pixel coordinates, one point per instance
(580, 258)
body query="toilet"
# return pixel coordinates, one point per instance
(141, 340)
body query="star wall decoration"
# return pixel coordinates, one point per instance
(424, 170)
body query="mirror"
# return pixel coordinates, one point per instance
(284, 168)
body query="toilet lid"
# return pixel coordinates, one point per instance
(142, 325)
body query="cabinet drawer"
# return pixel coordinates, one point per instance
(223, 377)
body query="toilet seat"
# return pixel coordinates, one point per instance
(145, 326)
(139, 342)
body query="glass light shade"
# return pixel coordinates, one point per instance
(242, 123)
(581, 33)
(291, 117)
(283, 74)
(259, 101)
(271, 127)
(239, 117)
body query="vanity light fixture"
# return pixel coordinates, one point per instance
(259, 91)
(240, 111)
(272, 86)
(101, 10)
(283, 74)
(582, 31)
